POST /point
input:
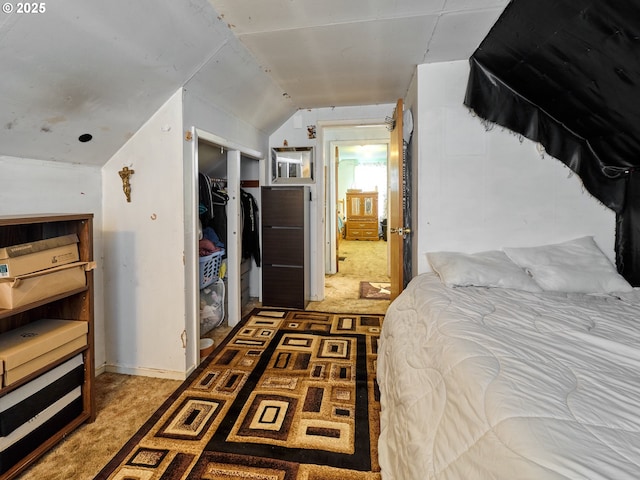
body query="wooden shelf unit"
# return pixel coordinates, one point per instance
(362, 216)
(76, 304)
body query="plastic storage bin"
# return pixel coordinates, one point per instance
(212, 306)
(210, 267)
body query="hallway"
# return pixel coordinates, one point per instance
(362, 261)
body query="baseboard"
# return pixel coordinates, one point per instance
(146, 372)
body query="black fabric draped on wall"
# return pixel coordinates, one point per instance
(628, 232)
(565, 73)
(495, 102)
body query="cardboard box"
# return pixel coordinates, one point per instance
(21, 371)
(25, 289)
(31, 347)
(32, 257)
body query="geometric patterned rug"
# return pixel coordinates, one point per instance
(290, 395)
(375, 290)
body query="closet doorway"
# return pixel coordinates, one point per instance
(234, 171)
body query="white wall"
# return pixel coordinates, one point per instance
(480, 190)
(151, 279)
(144, 250)
(211, 118)
(327, 122)
(41, 187)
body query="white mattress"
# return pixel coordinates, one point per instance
(484, 384)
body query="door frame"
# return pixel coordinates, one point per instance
(234, 152)
(332, 193)
(396, 207)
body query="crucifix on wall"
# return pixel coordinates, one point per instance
(125, 175)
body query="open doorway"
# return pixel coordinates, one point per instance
(361, 178)
(357, 269)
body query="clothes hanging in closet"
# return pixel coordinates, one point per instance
(205, 209)
(212, 208)
(250, 236)
(219, 208)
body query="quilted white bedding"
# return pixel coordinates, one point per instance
(481, 383)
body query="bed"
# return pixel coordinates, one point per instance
(483, 377)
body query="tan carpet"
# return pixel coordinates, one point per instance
(123, 404)
(364, 261)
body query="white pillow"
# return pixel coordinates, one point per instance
(483, 269)
(575, 266)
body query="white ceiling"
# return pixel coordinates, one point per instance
(98, 67)
(355, 52)
(365, 152)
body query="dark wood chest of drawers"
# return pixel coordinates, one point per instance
(285, 246)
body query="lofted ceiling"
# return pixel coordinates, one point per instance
(356, 52)
(103, 68)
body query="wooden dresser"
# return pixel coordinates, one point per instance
(362, 215)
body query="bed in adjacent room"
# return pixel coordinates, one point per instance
(518, 366)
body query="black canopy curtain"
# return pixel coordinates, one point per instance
(566, 74)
